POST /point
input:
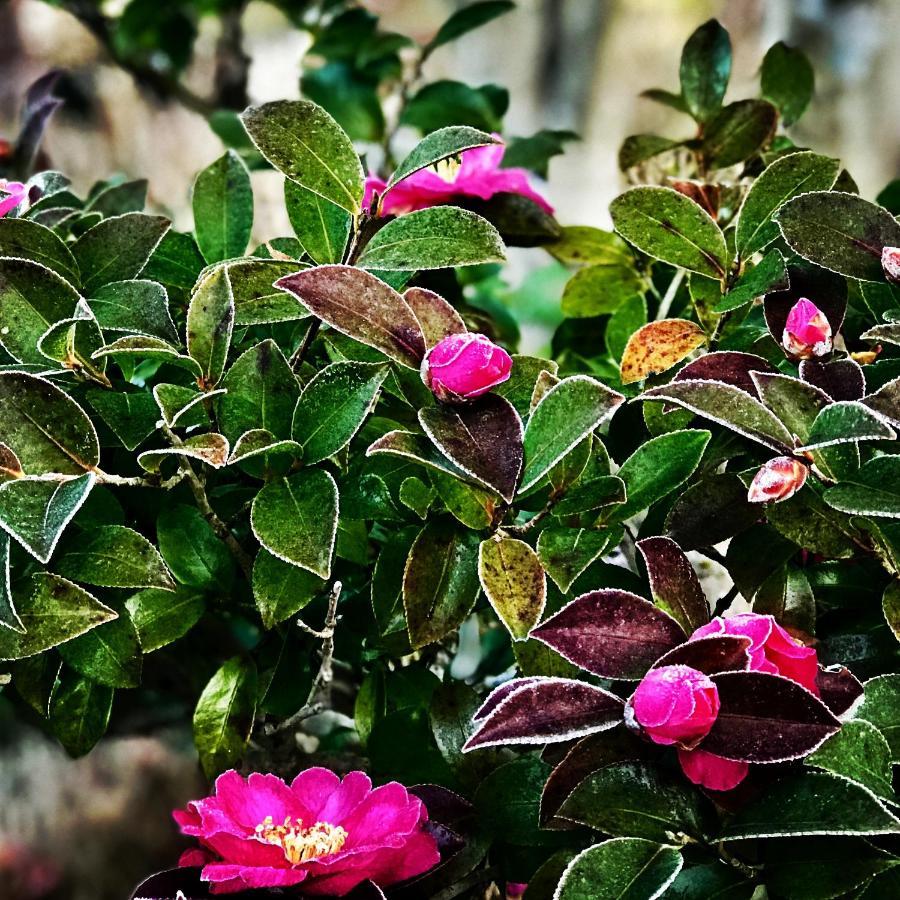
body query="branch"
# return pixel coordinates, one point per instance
(314, 701)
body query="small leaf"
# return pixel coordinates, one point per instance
(136, 307)
(514, 582)
(859, 752)
(225, 714)
(223, 208)
(620, 869)
(146, 347)
(667, 225)
(846, 421)
(673, 582)
(162, 617)
(584, 245)
(470, 17)
(79, 712)
(196, 557)
(334, 405)
(321, 226)
(838, 231)
(304, 143)
(440, 144)
(281, 589)
(881, 707)
(212, 449)
(440, 582)
(439, 237)
(611, 633)
(358, 304)
(210, 320)
(109, 654)
(566, 552)
(256, 299)
(890, 605)
(638, 148)
(766, 276)
(658, 346)
(788, 80)
(705, 70)
(483, 439)
(600, 289)
(295, 519)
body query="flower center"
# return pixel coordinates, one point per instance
(447, 169)
(302, 844)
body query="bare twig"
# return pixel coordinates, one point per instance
(145, 481)
(535, 520)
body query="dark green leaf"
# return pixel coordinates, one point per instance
(881, 707)
(281, 589)
(196, 557)
(79, 712)
(256, 299)
(638, 148)
(24, 239)
(210, 320)
(438, 145)
(788, 80)
(136, 307)
(132, 417)
(705, 70)
(738, 132)
(769, 274)
(109, 654)
(223, 208)
(860, 752)
(471, 16)
(162, 617)
(321, 226)
(566, 552)
(600, 289)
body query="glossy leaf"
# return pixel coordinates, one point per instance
(192, 551)
(210, 320)
(705, 70)
(674, 585)
(161, 617)
(109, 654)
(321, 226)
(281, 589)
(223, 208)
(859, 752)
(514, 582)
(566, 552)
(79, 712)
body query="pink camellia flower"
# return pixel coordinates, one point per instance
(711, 771)
(464, 366)
(329, 834)
(772, 649)
(675, 705)
(890, 260)
(515, 890)
(807, 332)
(475, 173)
(777, 480)
(12, 193)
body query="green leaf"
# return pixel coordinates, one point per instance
(409, 445)
(176, 261)
(280, 589)
(658, 467)
(295, 519)
(210, 320)
(636, 799)
(787, 177)
(508, 802)
(584, 245)
(810, 523)
(860, 752)
(705, 70)
(116, 249)
(440, 144)
(181, 405)
(881, 707)
(620, 869)
(196, 557)
(514, 582)
(162, 617)
(769, 274)
(334, 405)
(145, 347)
(79, 712)
(846, 421)
(519, 387)
(838, 231)
(788, 80)
(442, 103)
(256, 300)
(128, 196)
(24, 239)
(321, 226)
(223, 208)
(623, 323)
(738, 131)
(638, 148)
(600, 289)
(132, 417)
(567, 413)
(261, 393)
(436, 238)
(668, 226)
(109, 654)
(470, 17)
(8, 615)
(440, 582)
(305, 143)
(56, 611)
(813, 803)
(225, 714)
(36, 513)
(890, 605)
(115, 556)
(566, 552)
(387, 581)
(211, 449)
(32, 298)
(135, 307)
(872, 491)
(348, 95)
(71, 343)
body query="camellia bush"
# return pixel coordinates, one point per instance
(308, 496)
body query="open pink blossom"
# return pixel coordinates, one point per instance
(890, 260)
(772, 649)
(675, 705)
(711, 771)
(477, 173)
(464, 366)
(326, 833)
(12, 193)
(807, 332)
(777, 480)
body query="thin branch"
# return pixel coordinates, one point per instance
(535, 520)
(145, 481)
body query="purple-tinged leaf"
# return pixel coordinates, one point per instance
(712, 510)
(886, 401)
(766, 718)
(826, 289)
(713, 654)
(611, 633)
(499, 694)
(483, 438)
(436, 316)
(839, 688)
(547, 710)
(594, 752)
(358, 304)
(444, 805)
(841, 379)
(674, 585)
(729, 406)
(728, 366)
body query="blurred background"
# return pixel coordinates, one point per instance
(92, 828)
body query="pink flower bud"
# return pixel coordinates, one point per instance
(890, 259)
(711, 771)
(777, 480)
(807, 332)
(464, 366)
(12, 193)
(675, 705)
(515, 890)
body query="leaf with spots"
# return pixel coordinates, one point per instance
(514, 582)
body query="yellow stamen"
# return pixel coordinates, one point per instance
(448, 168)
(302, 844)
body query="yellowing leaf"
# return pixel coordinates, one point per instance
(658, 346)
